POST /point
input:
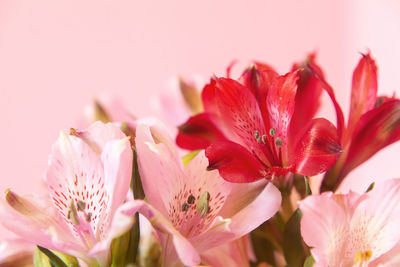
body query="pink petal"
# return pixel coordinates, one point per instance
(234, 162)
(186, 252)
(317, 148)
(159, 166)
(324, 227)
(377, 219)
(17, 251)
(117, 160)
(233, 254)
(46, 227)
(239, 218)
(98, 134)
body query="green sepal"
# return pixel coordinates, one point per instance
(309, 262)
(44, 257)
(119, 249)
(188, 157)
(294, 249)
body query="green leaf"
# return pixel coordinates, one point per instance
(119, 249)
(53, 259)
(188, 157)
(307, 185)
(309, 262)
(293, 248)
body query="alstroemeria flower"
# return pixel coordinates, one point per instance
(374, 123)
(253, 129)
(193, 209)
(16, 252)
(352, 229)
(88, 178)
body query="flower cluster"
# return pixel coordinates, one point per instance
(223, 181)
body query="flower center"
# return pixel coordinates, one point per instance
(192, 211)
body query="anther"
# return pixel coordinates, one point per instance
(264, 138)
(81, 205)
(272, 132)
(72, 214)
(203, 204)
(88, 217)
(191, 199)
(185, 206)
(257, 136)
(278, 142)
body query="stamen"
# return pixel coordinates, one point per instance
(73, 214)
(203, 204)
(191, 199)
(88, 217)
(278, 141)
(257, 136)
(264, 138)
(272, 132)
(185, 207)
(81, 205)
(363, 256)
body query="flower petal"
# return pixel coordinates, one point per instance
(315, 70)
(376, 219)
(16, 252)
(186, 252)
(324, 227)
(375, 130)
(317, 148)
(234, 162)
(98, 134)
(241, 115)
(46, 227)
(117, 160)
(308, 94)
(198, 132)
(281, 103)
(364, 88)
(159, 166)
(241, 219)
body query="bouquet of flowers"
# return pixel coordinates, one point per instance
(225, 180)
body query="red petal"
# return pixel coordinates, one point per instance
(241, 115)
(315, 70)
(363, 93)
(199, 132)
(280, 104)
(209, 98)
(317, 148)
(308, 95)
(234, 162)
(259, 80)
(375, 130)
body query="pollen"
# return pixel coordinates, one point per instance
(278, 142)
(362, 257)
(185, 207)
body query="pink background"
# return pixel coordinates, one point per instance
(56, 56)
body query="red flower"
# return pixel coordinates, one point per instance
(374, 122)
(262, 126)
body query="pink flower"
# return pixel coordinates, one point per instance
(193, 209)
(88, 178)
(353, 229)
(17, 252)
